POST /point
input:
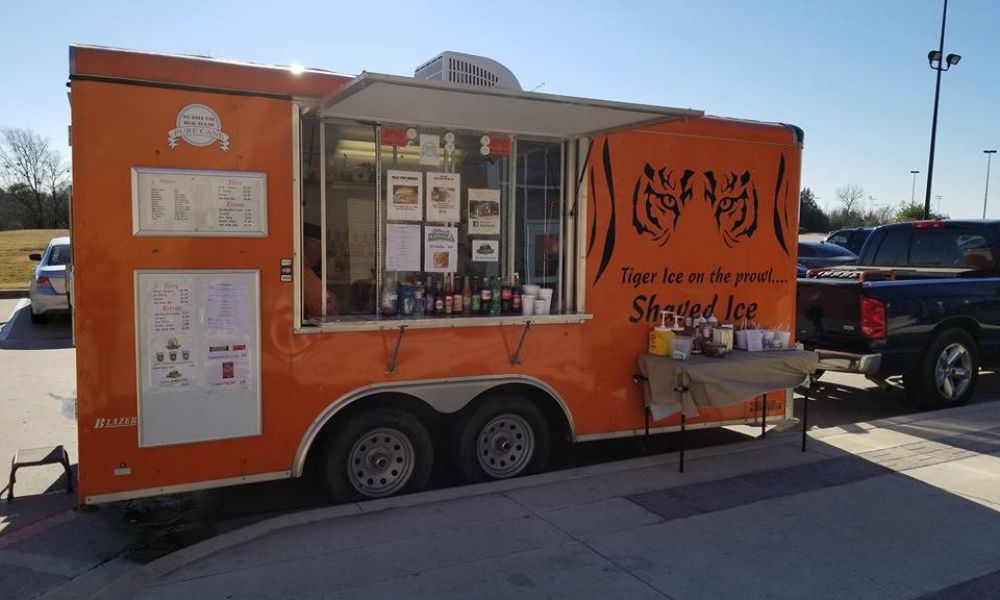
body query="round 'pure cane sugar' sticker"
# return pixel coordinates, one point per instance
(411, 134)
(198, 125)
(484, 150)
(485, 140)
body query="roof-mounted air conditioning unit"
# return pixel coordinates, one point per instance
(469, 69)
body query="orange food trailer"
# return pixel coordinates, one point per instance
(277, 265)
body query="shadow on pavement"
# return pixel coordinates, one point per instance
(862, 525)
(19, 333)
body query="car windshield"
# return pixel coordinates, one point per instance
(59, 255)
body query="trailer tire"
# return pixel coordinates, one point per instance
(505, 436)
(38, 318)
(377, 453)
(947, 372)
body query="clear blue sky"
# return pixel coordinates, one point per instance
(852, 73)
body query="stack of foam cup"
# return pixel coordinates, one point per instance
(527, 304)
(545, 295)
(529, 293)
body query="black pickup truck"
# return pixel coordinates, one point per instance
(922, 301)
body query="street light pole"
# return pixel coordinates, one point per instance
(937, 61)
(913, 188)
(989, 158)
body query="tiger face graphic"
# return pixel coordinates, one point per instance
(658, 200)
(661, 195)
(734, 205)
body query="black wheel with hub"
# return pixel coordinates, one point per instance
(947, 373)
(376, 454)
(504, 436)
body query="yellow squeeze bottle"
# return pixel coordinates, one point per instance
(661, 337)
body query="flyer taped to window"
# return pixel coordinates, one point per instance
(404, 195)
(443, 197)
(484, 212)
(440, 249)
(228, 367)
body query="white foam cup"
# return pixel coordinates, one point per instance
(527, 304)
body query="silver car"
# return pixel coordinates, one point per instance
(48, 284)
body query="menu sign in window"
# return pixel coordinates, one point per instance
(197, 336)
(192, 202)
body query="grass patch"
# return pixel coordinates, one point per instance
(15, 268)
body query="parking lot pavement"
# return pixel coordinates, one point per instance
(37, 399)
(899, 508)
(44, 544)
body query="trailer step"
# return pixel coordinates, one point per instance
(34, 457)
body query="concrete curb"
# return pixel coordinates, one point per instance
(127, 584)
(8, 294)
(8, 325)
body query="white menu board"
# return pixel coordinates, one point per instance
(198, 353)
(180, 202)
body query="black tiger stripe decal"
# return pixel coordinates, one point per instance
(609, 237)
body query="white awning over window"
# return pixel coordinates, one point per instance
(393, 99)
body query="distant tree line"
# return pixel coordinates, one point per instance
(34, 182)
(852, 212)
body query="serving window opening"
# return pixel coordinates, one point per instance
(415, 223)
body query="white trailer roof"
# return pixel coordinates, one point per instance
(394, 99)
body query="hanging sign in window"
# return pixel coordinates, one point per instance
(484, 212)
(392, 136)
(443, 197)
(440, 249)
(404, 195)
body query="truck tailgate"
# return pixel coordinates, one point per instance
(828, 313)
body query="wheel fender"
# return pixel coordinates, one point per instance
(446, 396)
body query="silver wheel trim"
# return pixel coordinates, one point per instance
(505, 445)
(380, 462)
(953, 371)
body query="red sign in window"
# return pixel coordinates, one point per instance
(393, 137)
(500, 146)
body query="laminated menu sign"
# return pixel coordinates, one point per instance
(227, 366)
(443, 197)
(484, 212)
(197, 335)
(169, 204)
(225, 306)
(440, 249)
(402, 247)
(172, 363)
(235, 207)
(171, 305)
(404, 195)
(168, 325)
(196, 202)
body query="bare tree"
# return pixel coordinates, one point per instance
(35, 177)
(851, 198)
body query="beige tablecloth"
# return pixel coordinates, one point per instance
(720, 381)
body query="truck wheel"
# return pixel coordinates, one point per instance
(377, 454)
(39, 318)
(947, 374)
(503, 437)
